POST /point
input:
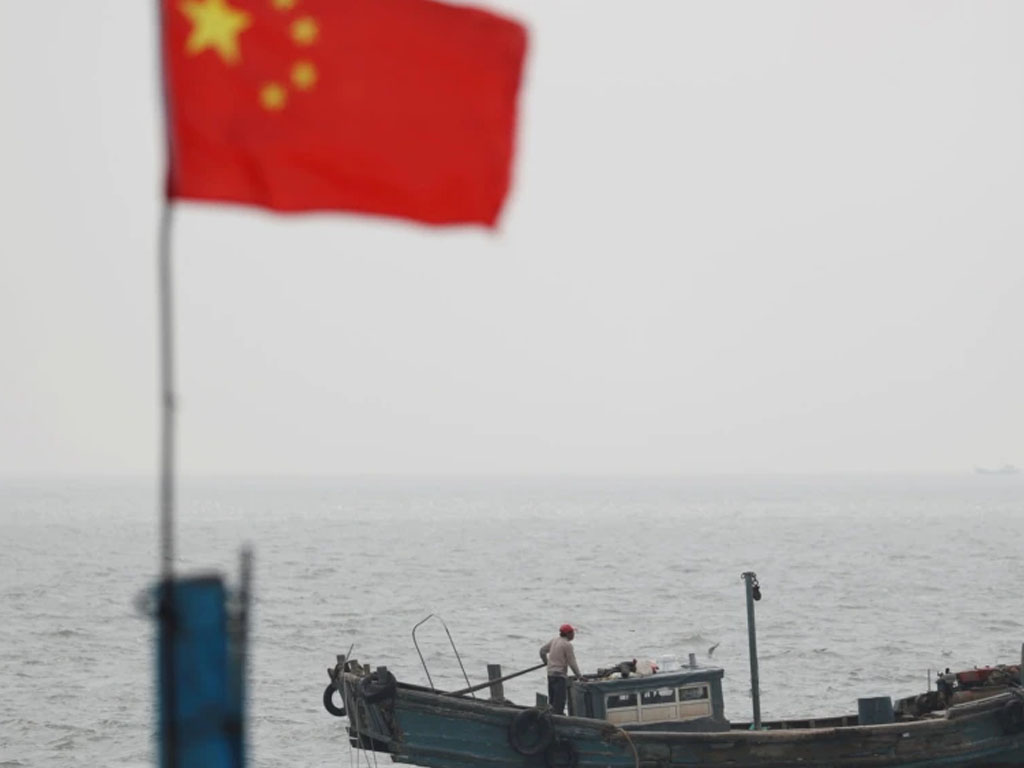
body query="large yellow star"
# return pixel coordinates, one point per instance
(216, 25)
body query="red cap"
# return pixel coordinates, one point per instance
(565, 629)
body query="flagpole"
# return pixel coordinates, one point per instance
(166, 652)
(166, 323)
(167, 683)
(167, 396)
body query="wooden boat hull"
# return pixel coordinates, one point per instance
(426, 728)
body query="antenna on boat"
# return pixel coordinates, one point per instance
(753, 593)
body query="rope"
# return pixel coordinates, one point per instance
(629, 740)
(344, 686)
(358, 722)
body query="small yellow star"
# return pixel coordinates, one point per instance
(283, 5)
(273, 97)
(303, 75)
(216, 25)
(305, 30)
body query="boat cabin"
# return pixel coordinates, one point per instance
(684, 699)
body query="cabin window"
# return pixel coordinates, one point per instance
(674, 702)
(694, 701)
(659, 696)
(694, 693)
(620, 700)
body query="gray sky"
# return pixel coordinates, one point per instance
(744, 237)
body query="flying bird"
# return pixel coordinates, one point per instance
(711, 650)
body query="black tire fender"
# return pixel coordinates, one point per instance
(329, 704)
(531, 732)
(378, 686)
(561, 753)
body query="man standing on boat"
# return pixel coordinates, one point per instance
(559, 655)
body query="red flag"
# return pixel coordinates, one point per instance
(398, 107)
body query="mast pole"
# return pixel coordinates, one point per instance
(753, 593)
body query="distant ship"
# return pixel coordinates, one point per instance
(1006, 469)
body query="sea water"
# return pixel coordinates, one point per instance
(868, 583)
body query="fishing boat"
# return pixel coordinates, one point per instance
(620, 717)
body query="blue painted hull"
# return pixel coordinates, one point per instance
(429, 729)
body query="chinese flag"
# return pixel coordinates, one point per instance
(397, 107)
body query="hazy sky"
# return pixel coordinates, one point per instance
(744, 236)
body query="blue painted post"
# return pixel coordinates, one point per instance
(753, 593)
(199, 692)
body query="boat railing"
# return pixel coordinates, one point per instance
(455, 650)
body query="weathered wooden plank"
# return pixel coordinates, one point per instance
(497, 688)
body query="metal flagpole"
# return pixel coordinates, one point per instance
(167, 684)
(167, 397)
(166, 613)
(166, 325)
